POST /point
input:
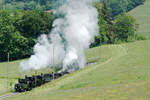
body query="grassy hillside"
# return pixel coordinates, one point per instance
(142, 15)
(122, 73)
(13, 74)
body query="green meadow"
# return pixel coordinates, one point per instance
(121, 72)
(116, 72)
(142, 16)
(9, 73)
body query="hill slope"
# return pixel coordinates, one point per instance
(122, 73)
(142, 15)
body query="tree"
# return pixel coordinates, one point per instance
(101, 38)
(109, 24)
(35, 23)
(10, 39)
(125, 27)
(33, 4)
(121, 28)
(105, 24)
(30, 5)
(19, 30)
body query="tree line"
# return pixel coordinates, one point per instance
(115, 6)
(31, 4)
(19, 30)
(121, 6)
(115, 29)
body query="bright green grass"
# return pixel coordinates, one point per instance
(123, 73)
(142, 15)
(13, 74)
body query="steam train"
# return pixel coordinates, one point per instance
(28, 83)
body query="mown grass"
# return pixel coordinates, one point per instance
(142, 16)
(122, 73)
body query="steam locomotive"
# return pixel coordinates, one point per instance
(28, 83)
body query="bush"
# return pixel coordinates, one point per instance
(140, 37)
(125, 27)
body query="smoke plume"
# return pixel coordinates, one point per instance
(68, 40)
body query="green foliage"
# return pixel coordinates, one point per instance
(32, 4)
(115, 6)
(125, 27)
(101, 38)
(120, 29)
(121, 6)
(122, 73)
(140, 37)
(34, 23)
(105, 24)
(11, 40)
(18, 32)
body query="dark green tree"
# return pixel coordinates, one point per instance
(35, 23)
(109, 22)
(125, 27)
(10, 39)
(101, 38)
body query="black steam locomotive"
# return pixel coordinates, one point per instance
(28, 83)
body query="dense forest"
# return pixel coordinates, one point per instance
(120, 6)
(19, 31)
(32, 4)
(115, 6)
(20, 28)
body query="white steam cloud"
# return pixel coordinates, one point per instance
(70, 37)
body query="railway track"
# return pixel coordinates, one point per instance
(6, 96)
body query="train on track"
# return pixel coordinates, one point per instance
(28, 83)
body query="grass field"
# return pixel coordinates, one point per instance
(13, 74)
(121, 73)
(142, 15)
